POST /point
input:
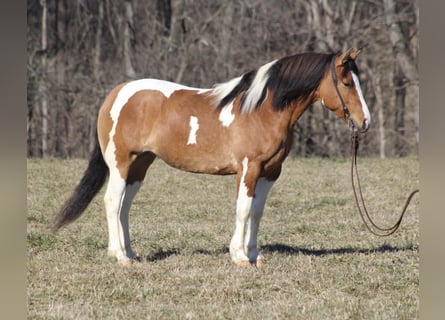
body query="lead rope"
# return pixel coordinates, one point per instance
(368, 221)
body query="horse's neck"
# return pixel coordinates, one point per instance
(297, 108)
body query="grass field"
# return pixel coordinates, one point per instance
(321, 261)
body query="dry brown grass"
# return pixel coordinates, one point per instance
(321, 262)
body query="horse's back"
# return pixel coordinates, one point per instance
(175, 122)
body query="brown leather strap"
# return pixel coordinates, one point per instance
(367, 220)
(335, 80)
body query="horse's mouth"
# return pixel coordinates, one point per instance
(353, 126)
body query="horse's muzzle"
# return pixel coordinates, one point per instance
(362, 128)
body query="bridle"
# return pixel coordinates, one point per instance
(364, 214)
(343, 104)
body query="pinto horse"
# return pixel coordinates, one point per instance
(242, 127)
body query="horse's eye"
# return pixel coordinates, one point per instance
(347, 84)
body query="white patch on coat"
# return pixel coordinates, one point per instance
(226, 116)
(194, 127)
(131, 88)
(362, 99)
(126, 92)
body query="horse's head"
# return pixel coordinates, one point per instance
(340, 91)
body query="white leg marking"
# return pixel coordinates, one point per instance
(194, 127)
(362, 99)
(243, 205)
(118, 199)
(113, 202)
(226, 116)
(250, 243)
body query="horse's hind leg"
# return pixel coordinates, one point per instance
(117, 211)
(113, 202)
(136, 175)
(127, 200)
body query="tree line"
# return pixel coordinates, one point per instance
(79, 50)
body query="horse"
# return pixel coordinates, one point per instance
(241, 127)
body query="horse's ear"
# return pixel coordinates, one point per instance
(349, 55)
(346, 56)
(354, 53)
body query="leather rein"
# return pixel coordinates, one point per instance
(364, 214)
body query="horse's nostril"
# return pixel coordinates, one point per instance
(365, 125)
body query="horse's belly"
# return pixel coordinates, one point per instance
(196, 144)
(198, 161)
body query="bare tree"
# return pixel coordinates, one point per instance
(79, 50)
(43, 89)
(405, 57)
(128, 34)
(97, 66)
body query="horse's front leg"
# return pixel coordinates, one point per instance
(246, 181)
(256, 212)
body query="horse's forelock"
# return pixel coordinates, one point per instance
(350, 65)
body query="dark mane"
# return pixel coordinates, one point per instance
(242, 86)
(289, 78)
(295, 77)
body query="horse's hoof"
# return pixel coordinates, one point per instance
(260, 263)
(243, 263)
(128, 262)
